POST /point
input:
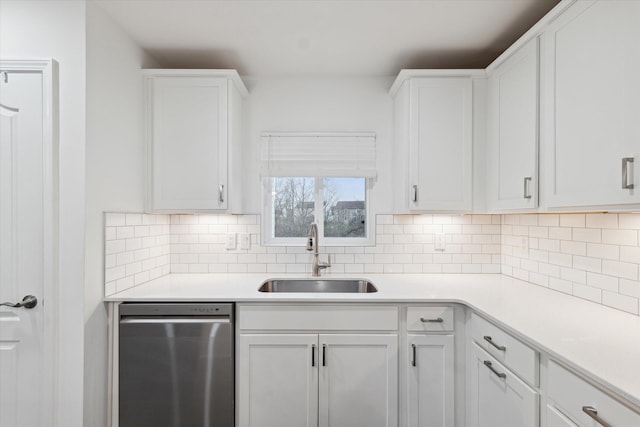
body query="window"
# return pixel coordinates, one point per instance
(345, 208)
(318, 177)
(292, 206)
(339, 207)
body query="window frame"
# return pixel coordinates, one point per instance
(267, 217)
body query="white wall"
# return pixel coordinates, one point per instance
(115, 159)
(309, 104)
(55, 29)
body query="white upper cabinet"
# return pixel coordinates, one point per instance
(433, 142)
(591, 106)
(512, 131)
(194, 140)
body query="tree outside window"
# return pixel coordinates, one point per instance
(342, 213)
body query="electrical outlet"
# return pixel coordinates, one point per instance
(245, 241)
(439, 242)
(231, 241)
(524, 245)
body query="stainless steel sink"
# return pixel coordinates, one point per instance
(318, 285)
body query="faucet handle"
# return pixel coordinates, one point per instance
(328, 263)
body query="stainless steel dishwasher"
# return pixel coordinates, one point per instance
(176, 365)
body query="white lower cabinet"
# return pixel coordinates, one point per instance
(278, 380)
(333, 365)
(318, 380)
(430, 380)
(313, 374)
(584, 403)
(358, 381)
(557, 419)
(497, 397)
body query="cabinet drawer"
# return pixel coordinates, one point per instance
(318, 317)
(498, 398)
(557, 419)
(429, 319)
(571, 394)
(514, 354)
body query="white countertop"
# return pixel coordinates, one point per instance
(601, 343)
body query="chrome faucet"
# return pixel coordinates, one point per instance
(312, 245)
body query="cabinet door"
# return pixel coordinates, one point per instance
(358, 381)
(430, 381)
(496, 396)
(513, 131)
(278, 380)
(189, 143)
(440, 148)
(592, 104)
(557, 419)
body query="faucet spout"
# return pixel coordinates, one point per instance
(312, 245)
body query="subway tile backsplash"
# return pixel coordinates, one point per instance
(136, 249)
(404, 244)
(590, 256)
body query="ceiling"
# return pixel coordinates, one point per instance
(325, 37)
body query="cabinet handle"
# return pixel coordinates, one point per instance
(415, 194)
(324, 355)
(491, 368)
(627, 173)
(488, 339)
(413, 359)
(438, 320)
(221, 193)
(527, 187)
(313, 355)
(593, 413)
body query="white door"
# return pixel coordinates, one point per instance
(498, 398)
(441, 144)
(358, 381)
(278, 380)
(430, 381)
(25, 250)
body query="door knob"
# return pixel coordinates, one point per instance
(28, 301)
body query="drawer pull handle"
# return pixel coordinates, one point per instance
(490, 366)
(413, 360)
(313, 355)
(593, 413)
(488, 339)
(438, 320)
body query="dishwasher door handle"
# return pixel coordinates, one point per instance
(142, 320)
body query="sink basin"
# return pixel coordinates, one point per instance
(318, 285)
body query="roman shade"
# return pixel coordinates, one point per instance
(351, 154)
